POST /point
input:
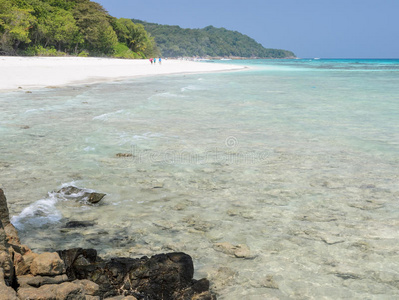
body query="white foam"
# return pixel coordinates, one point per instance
(88, 149)
(191, 88)
(39, 213)
(104, 117)
(153, 134)
(33, 110)
(44, 211)
(132, 139)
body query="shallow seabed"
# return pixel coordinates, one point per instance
(297, 160)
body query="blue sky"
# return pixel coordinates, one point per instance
(309, 28)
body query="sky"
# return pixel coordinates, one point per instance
(309, 28)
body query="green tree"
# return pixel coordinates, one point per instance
(135, 37)
(58, 28)
(14, 26)
(42, 26)
(94, 27)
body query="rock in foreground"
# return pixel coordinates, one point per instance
(82, 274)
(163, 276)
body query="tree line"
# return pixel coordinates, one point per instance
(84, 27)
(174, 41)
(75, 27)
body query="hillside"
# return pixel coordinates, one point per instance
(174, 41)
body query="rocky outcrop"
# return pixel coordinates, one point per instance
(4, 214)
(163, 276)
(82, 274)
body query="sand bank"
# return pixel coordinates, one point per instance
(40, 72)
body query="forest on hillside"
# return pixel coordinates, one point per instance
(69, 27)
(174, 41)
(85, 28)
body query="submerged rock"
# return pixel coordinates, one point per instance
(124, 155)
(79, 224)
(239, 251)
(223, 277)
(269, 282)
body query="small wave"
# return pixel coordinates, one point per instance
(191, 88)
(40, 213)
(128, 138)
(33, 110)
(104, 117)
(88, 149)
(167, 94)
(44, 211)
(153, 134)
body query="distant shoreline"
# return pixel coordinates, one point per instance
(25, 73)
(232, 58)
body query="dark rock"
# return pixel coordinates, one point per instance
(122, 298)
(77, 257)
(200, 286)
(4, 214)
(163, 276)
(124, 154)
(79, 224)
(95, 197)
(6, 258)
(198, 291)
(78, 194)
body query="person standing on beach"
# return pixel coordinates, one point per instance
(151, 60)
(160, 60)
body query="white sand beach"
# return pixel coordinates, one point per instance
(41, 72)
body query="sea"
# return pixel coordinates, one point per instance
(281, 181)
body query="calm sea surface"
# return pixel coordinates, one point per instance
(293, 162)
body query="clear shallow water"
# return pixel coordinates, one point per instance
(297, 159)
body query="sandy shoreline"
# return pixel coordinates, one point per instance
(41, 72)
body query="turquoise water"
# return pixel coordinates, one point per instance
(295, 159)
